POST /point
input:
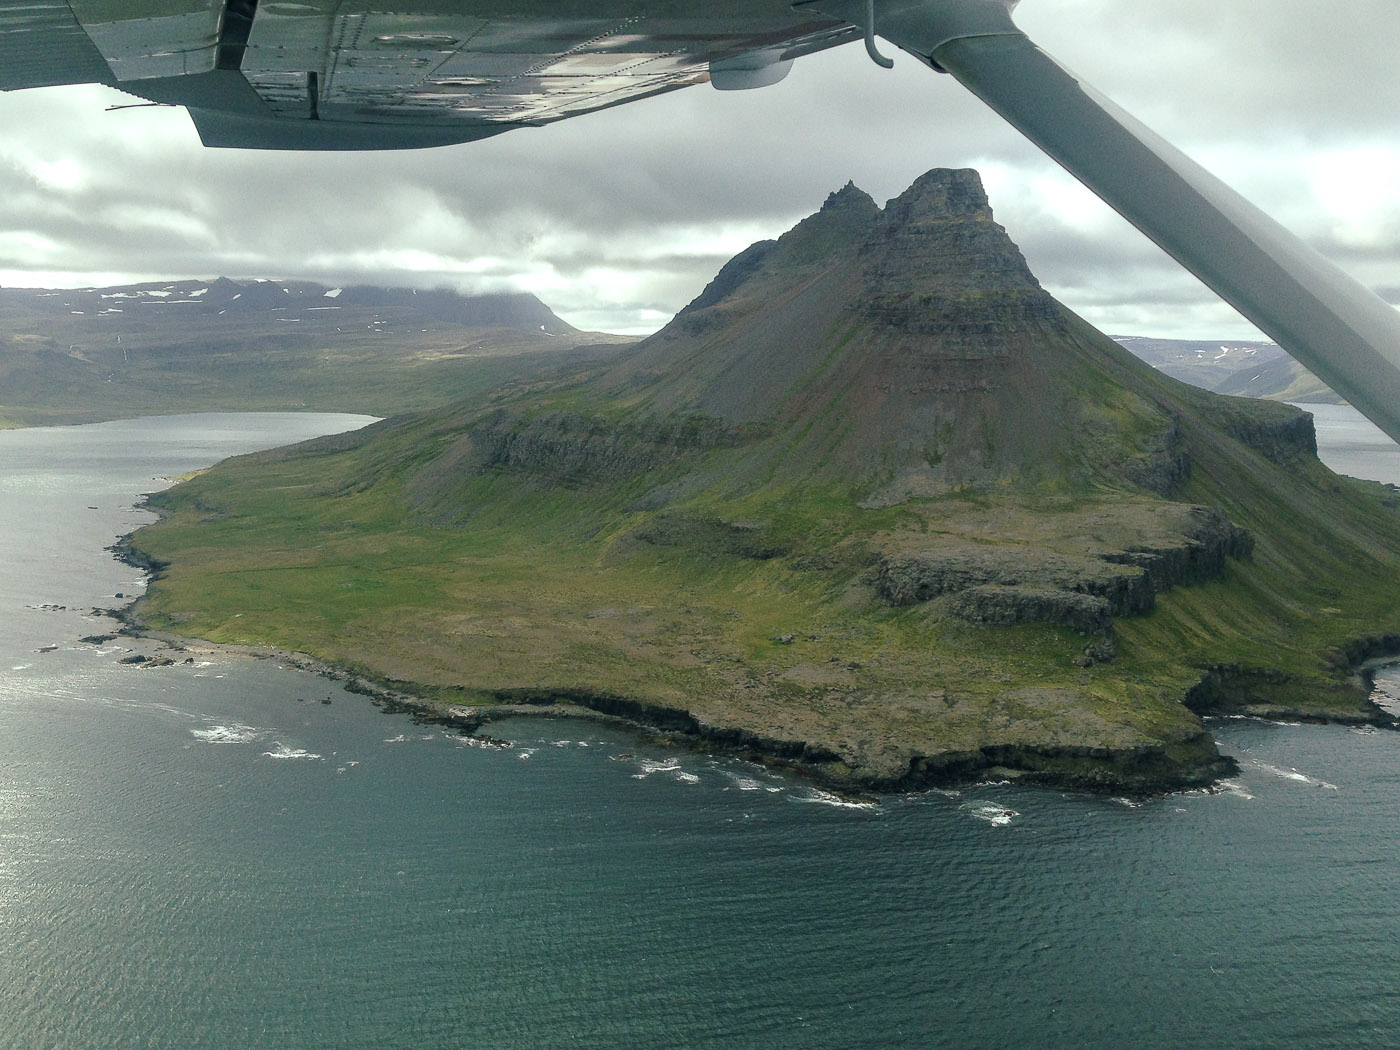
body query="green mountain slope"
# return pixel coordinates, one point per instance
(874, 504)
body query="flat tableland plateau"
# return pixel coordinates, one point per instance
(88, 354)
(874, 505)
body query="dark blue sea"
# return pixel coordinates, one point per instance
(210, 855)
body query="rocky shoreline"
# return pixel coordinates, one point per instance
(1189, 763)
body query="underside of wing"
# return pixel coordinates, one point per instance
(356, 74)
(42, 45)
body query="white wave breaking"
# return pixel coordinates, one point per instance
(669, 766)
(749, 783)
(818, 797)
(1293, 775)
(1236, 788)
(234, 733)
(994, 814)
(281, 750)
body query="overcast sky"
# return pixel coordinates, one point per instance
(618, 219)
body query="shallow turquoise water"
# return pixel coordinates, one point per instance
(210, 856)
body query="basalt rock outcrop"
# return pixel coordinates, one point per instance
(1008, 605)
(1282, 439)
(1011, 584)
(925, 575)
(572, 448)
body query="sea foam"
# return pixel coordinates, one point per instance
(669, 765)
(281, 750)
(998, 816)
(817, 796)
(235, 733)
(1294, 775)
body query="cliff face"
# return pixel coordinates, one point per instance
(910, 343)
(1083, 591)
(570, 448)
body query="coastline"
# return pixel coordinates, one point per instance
(815, 662)
(1150, 770)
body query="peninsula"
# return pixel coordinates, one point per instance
(874, 505)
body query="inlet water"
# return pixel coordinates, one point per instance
(227, 854)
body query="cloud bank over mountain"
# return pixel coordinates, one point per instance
(619, 219)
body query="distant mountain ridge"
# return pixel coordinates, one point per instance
(76, 355)
(294, 300)
(1242, 369)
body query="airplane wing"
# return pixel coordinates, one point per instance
(387, 74)
(349, 74)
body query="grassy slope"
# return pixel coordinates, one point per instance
(535, 587)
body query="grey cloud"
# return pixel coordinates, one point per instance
(1234, 68)
(650, 190)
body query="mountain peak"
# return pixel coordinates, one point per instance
(941, 194)
(940, 230)
(841, 225)
(849, 196)
(910, 349)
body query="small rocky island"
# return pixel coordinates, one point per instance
(874, 505)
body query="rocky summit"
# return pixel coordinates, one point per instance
(913, 348)
(874, 504)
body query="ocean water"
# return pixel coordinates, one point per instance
(212, 855)
(1351, 444)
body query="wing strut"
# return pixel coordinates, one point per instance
(1327, 320)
